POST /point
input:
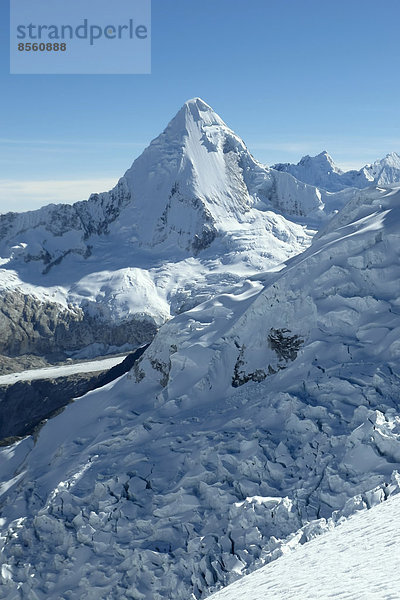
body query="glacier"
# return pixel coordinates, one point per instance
(250, 420)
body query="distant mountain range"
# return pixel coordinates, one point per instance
(322, 172)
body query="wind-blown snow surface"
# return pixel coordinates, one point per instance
(248, 417)
(358, 559)
(321, 171)
(193, 215)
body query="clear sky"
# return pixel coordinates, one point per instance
(291, 77)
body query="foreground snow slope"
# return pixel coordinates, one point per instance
(321, 171)
(248, 417)
(194, 214)
(358, 559)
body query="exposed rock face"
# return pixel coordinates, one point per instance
(285, 347)
(30, 326)
(25, 404)
(22, 363)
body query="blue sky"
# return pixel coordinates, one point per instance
(291, 77)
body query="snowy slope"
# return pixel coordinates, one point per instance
(358, 559)
(194, 214)
(321, 171)
(248, 418)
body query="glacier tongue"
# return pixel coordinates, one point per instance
(247, 417)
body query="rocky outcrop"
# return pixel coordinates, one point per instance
(22, 363)
(31, 326)
(25, 404)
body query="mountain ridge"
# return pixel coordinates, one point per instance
(321, 171)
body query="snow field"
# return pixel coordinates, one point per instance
(357, 559)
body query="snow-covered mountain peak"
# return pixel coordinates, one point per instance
(195, 183)
(195, 113)
(201, 182)
(384, 171)
(393, 158)
(190, 178)
(322, 161)
(321, 171)
(314, 170)
(198, 110)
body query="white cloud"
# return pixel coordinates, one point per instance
(18, 196)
